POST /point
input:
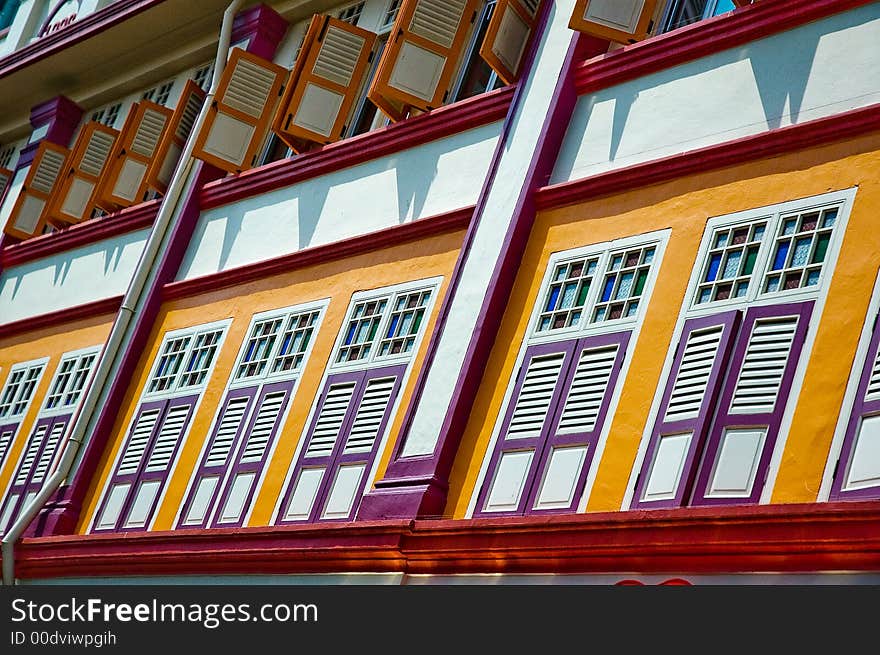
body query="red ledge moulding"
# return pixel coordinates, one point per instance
(703, 38)
(444, 121)
(776, 142)
(814, 537)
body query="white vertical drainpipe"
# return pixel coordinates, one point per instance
(166, 219)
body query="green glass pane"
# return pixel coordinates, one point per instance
(640, 283)
(417, 322)
(751, 258)
(821, 248)
(585, 290)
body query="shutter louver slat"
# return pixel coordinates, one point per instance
(48, 453)
(588, 389)
(330, 421)
(5, 440)
(338, 56)
(140, 436)
(30, 454)
(437, 20)
(226, 432)
(368, 419)
(535, 396)
(47, 171)
(874, 381)
(249, 88)
(267, 417)
(166, 441)
(766, 358)
(146, 139)
(188, 118)
(96, 153)
(690, 385)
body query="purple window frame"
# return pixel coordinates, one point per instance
(29, 484)
(336, 459)
(698, 424)
(218, 470)
(255, 467)
(549, 438)
(861, 409)
(772, 420)
(140, 476)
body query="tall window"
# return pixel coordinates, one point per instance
(40, 451)
(569, 368)
(740, 340)
(250, 417)
(355, 407)
(144, 463)
(679, 13)
(476, 76)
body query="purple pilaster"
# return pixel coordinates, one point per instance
(263, 28)
(417, 486)
(61, 115)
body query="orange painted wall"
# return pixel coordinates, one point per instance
(52, 343)
(684, 205)
(337, 280)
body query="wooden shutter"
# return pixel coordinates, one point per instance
(526, 426)
(6, 176)
(75, 195)
(738, 451)
(174, 137)
(28, 217)
(508, 35)
(125, 181)
(857, 474)
(251, 457)
(215, 462)
(325, 83)
(419, 63)
(685, 412)
(623, 21)
(239, 117)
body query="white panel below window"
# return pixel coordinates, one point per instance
(237, 498)
(129, 180)
(560, 478)
(510, 43)
(201, 498)
(864, 471)
(229, 139)
(509, 482)
(666, 469)
(303, 497)
(7, 512)
(318, 109)
(343, 492)
(29, 214)
(113, 506)
(143, 502)
(737, 463)
(417, 71)
(616, 14)
(77, 198)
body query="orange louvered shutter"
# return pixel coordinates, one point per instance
(425, 46)
(508, 35)
(75, 195)
(325, 83)
(239, 117)
(28, 217)
(125, 181)
(173, 140)
(623, 21)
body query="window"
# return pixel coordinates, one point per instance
(250, 417)
(353, 411)
(679, 13)
(476, 75)
(739, 343)
(108, 115)
(202, 76)
(569, 368)
(6, 155)
(391, 14)
(144, 463)
(352, 13)
(159, 94)
(43, 445)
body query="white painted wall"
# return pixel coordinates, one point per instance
(817, 70)
(93, 272)
(427, 180)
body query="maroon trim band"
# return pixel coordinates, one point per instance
(61, 317)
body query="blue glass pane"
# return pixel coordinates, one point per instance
(609, 287)
(350, 335)
(551, 301)
(714, 263)
(705, 295)
(285, 345)
(394, 321)
(781, 254)
(723, 7)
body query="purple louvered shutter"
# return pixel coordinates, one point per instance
(143, 468)
(857, 473)
(341, 445)
(738, 451)
(686, 410)
(215, 461)
(251, 456)
(576, 425)
(525, 429)
(7, 432)
(36, 462)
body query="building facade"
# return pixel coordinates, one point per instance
(415, 291)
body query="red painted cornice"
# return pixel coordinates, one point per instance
(766, 144)
(80, 30)
(703, 38)
(439, 123)
(53, 319)
(393, 236)
(779, 538)
(132, 219)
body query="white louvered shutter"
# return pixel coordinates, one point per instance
(47, 455)
(624, 21)
(5, 440)
(239, 118)
(508, 35)
(28, 217)
(174, 138)
(330, 419)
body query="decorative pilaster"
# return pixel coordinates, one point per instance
(262, 27)
(55, 121)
